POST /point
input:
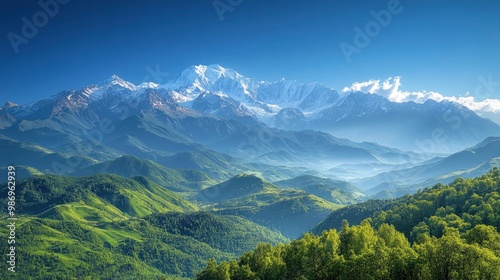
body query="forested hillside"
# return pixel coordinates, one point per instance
(110, 227)
(443, 232)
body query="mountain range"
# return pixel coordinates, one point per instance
(220, 122)
(211, 98)
(211, 110)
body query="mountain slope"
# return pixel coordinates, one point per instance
(130, 166)
(239, 186)
(45, 160)
(136, 197)
(335, 191)
(264, 203)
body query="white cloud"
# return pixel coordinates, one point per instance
(390, 89)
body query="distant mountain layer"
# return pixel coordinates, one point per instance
(468, 163)
(431, 127)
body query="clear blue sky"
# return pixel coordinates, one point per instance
(434, 45)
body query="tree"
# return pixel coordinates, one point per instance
(214, 271)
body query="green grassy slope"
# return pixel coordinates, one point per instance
(335, 191)
(137, 197)
(239, 186)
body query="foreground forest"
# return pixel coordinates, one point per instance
(443, 232)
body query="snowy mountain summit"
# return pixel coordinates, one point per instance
(263, 99)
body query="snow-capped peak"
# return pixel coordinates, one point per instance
(195, 75)
(114, 85)
(114, 80)
(146, 85)
(213, 78)
(214, 72)
(9, 104)
(202, 76)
